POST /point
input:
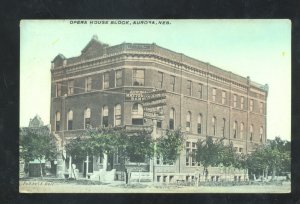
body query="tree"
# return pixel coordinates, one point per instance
(284, 149)
(209, 152)
(257, 160)
(274, 156)
(227, 155)
(79, 148)
(110, 140)
(37, 143)
(170, 145)
(140, 145)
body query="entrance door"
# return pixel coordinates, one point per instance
(110, 162)
(90, 166)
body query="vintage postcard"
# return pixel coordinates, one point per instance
(155, 106)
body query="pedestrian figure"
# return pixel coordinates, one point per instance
(126, 176)
(206, 174)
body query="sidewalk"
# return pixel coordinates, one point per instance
(86, 186)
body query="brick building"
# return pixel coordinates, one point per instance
(202, 99)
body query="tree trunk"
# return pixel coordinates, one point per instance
(41, 169)
(273, 173)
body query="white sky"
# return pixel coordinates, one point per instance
(260, 49)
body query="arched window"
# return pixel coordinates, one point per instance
(57, 121)
(87, 118)
(137, 114)
(214, 125)
(242, 131)
(118, 115)
(223, 127)
(235, 124)
(251, 132)
(261, 130)
(199, 124)
(172, 119)
(188, 121)
(105, 116)
(70, 120)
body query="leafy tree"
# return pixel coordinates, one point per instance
(139, 146)
(227, 155)
(79, 148)
(257, 160)
(170, 145)
(110, 140)
(274, 156)
(37, 143)
(209, 152)
(284, 149)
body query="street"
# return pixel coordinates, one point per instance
(52, 186)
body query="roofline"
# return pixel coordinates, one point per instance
(179, 55)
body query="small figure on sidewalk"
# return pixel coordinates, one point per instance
(206, 174)
(126, 176)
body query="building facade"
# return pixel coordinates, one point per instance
(201, 99)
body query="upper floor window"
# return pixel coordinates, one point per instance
(251, 105)
(118, 115)
(214, 93)
(137, 114)
(200, 90)
(70, 120)
(251, 132)
(261, 134)
(235, 124)
(88, 84)
(138, 77)
(188, 121)
(119, 78)
(57, 121)
(87, 118)
(70, 87)
(242, 102)
(172, 119)
(234, 100)
(105, 116)
(172, 83)
(199, 124)
(223, 97)
(261, 107)
(189, 87)
(242, 130)
(214, 125)
(58, 89)
(160, 80)
(106, 80)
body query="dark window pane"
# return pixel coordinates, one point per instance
(171, 124)
(70, 124)
(105, 121)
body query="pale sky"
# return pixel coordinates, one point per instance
(260, 49)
